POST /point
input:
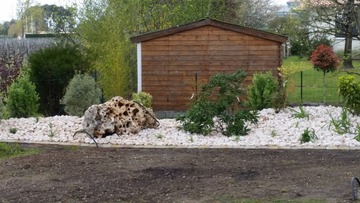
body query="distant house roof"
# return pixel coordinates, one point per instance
(211, 22)
(330, 2)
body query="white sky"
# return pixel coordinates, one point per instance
(8, 7)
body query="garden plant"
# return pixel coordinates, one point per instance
(22, 99)
(308, 136)
(349, 90)
(143, 98)
(51, 69)
(219, 106)
(260, 94)
(324, 59)
(81, 93)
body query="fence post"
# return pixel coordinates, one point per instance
(301, 87)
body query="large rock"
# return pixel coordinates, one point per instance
(119, 116)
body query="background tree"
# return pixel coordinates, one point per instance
(4, 28)
(58, 18)
(291, 25)
(107, 25)
(334, 17)
(22, 6)
(324, 59)
(51, 69)
(15, 29)
(34, 20)
(256, 13)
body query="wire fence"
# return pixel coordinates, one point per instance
(307, 88)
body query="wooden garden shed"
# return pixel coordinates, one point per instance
(173, 63)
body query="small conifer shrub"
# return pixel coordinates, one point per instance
(22, 99)
(261, 92)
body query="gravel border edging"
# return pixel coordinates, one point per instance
(340, 147)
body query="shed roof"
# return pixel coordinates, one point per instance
(212, 22)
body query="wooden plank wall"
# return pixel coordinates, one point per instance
(173, 67)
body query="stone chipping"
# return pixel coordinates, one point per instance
(274, 130)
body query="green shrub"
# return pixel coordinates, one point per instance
(51, 69)
(22, 99)
(308, 136)
(349, 91)
(81, 93)
(218, 107)
(2, 107)
(13, 130)
(143, 98)
(261, 92)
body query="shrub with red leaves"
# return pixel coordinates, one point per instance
(324, 59)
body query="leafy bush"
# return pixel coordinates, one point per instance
(349, 91)
(308, 136)
(81, 93)
(218, 107)
(13, 130)
(51, 69)
(261, 93)
(22, 99)
(143, 98)
(324, 59)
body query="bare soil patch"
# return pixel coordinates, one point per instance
(89, 174)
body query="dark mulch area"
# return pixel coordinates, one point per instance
(89, 174)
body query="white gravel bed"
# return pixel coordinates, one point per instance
(273, 129)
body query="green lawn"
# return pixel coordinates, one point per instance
(312, 82)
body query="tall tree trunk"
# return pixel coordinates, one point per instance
(348, 34)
